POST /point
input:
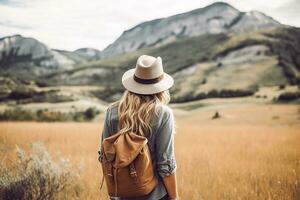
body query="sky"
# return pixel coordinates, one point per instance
(73, 24)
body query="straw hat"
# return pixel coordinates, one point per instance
(148, 76)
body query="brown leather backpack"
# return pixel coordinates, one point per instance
(127, 165)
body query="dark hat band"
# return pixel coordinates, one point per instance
(148, 81)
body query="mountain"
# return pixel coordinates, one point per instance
(16, 48)
(29, 57)
(216, 51)
(214, 19)
(210, 65)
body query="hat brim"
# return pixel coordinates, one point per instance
(130, 84)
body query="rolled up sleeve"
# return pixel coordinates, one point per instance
(165, 154)
(104, 134)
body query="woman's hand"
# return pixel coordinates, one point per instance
(170, 183)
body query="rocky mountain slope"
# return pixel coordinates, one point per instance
(214, 19)
(19, 49)
(29, 57)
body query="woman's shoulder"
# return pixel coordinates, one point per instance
(111, 111)
(164, 108)
(166, 119)
(112, 107)
(164, 111)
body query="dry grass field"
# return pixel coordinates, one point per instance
(251, 152)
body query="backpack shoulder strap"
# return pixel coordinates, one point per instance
(109, 122)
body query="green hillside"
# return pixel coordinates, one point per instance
(274, 62)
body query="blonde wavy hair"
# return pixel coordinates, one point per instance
(136, 111)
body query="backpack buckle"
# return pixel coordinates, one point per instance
(133, 173)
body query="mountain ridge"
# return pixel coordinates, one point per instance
(19, 52)
(212, 19)
(180, 14)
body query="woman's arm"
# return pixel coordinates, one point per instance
(170, 183)
(165, 153)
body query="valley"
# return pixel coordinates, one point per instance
(249, 151)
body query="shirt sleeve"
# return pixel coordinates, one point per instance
(104, 134)
(165, 154)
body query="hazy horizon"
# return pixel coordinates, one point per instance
(98, 24)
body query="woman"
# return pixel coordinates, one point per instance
(143, 109)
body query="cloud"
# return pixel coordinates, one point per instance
(286, 12)
(72, 24)
(11, 24)
(289, 12)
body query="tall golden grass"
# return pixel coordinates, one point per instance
(215, 160)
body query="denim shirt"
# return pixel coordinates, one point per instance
(161, 145)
